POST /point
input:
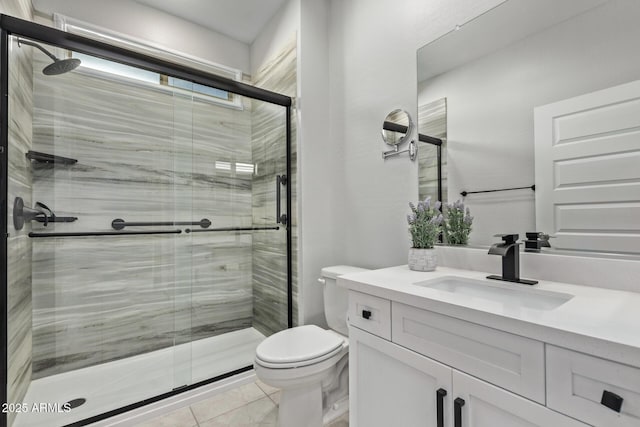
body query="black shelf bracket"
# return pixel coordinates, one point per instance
(55, 218)
(37, 156)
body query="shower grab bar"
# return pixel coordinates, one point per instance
(232, 229)
(280, 218)
(102, 233)
(119, 223)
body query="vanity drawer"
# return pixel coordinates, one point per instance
(503, 359)
(370, 313)
(576, 383)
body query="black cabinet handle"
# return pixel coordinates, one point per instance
(611, 401)
(457, 412)
(366, 314)
(440, 394)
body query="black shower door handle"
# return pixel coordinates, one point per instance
(280, 217)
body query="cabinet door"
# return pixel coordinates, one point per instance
(392, 386)
(489, 406)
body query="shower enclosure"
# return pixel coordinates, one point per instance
(147, 237)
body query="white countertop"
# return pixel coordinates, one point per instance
(597, 321)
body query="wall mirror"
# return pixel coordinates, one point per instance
(516, 90)
(397, 127)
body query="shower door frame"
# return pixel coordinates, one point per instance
(9, 26)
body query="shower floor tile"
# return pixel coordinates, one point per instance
(120, 383)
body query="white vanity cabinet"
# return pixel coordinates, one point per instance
(577, 383)
(392, 385)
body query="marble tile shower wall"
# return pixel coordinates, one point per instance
(432, 121)
(143, 155)
(19, 245)
(269, 253)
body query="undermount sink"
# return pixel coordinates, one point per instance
(516, 296)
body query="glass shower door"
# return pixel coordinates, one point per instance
(239, 268)
(105, 276)
(271, 309)
(182, 196)
(153, 250)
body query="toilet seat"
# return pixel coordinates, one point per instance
(297, 347)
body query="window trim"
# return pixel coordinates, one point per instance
(85, 29)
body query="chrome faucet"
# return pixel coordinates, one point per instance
(509, 250)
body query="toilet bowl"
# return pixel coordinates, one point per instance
(310, 364)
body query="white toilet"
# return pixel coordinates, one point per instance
(310, 364)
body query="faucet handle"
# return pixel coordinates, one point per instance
(546, 237)
(538, 239)
(535, 235)
(508, 238)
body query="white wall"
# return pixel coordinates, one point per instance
(372, 71)
(490, 105)
(276, 33)
(143, 22)
(317, 183)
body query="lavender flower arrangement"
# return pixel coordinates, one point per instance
(458, 223)
(425, 223)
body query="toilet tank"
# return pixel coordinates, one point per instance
(336, 298)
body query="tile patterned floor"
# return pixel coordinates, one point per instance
(250, 405)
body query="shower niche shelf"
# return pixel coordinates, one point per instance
(55, 218)
(39, 157)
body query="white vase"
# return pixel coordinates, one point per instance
(422, 259)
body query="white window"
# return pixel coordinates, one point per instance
(161, 81)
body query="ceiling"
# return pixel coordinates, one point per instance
(239, 19)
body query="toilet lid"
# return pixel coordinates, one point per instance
(302, 343)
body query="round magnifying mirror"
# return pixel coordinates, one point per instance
(397, 127)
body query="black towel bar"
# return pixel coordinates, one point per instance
(119, 223)
(464, 193)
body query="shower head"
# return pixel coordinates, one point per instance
(59, 66)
